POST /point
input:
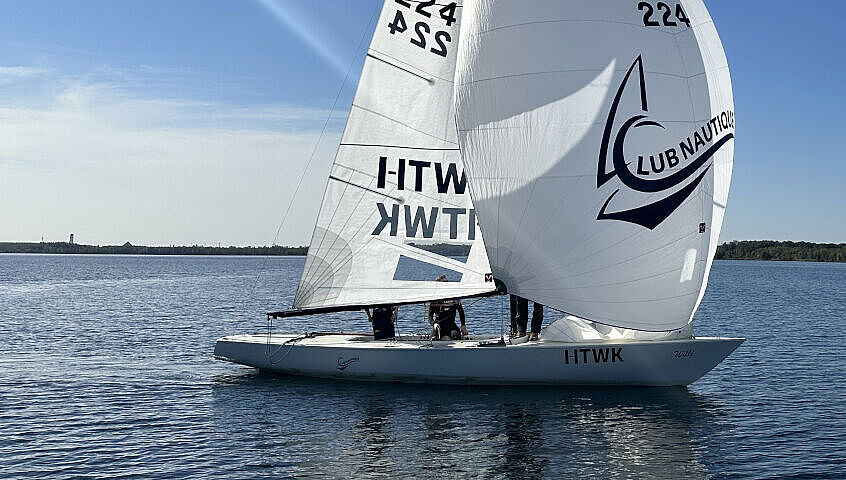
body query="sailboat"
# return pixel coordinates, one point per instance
(582, 150)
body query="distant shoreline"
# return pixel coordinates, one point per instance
(766, 250)
(769, 250)
(129, 249)
(65, 248)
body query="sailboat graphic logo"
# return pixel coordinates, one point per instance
(343, 364)
(697, 149)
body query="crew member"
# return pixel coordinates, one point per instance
(383, 319)
(520, 317)
(537, 321)
(442, 318)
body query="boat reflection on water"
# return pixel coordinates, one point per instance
(314, 427)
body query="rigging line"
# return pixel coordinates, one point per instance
(369, 27)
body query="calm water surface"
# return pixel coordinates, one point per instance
(106, 372)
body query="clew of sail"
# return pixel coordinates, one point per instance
(598, 141)
(398, 180)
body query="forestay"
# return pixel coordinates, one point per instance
(598, 142)
(397, 178)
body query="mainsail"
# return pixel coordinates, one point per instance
(598, 142)
(398, 178)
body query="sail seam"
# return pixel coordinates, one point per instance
(343, 263)
(398, 146)
(543, 22)
(586, 70)
(334, 267)
(613, 302)
(627, 260)
(587, 212)
(487, 128)
(402, 123)
(334, 270)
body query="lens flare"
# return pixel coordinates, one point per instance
(285, 15)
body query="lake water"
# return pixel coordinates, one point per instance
(106, 371)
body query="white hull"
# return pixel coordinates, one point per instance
(417, 360)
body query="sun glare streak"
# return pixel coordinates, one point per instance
(287, 18)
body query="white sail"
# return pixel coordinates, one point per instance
(398, 177)
(598, 142)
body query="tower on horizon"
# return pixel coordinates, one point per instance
(71, 239)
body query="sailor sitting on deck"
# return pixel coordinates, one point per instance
(442, 318)
(383, 319)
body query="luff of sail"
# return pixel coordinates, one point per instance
(598, 140)
(397, 178)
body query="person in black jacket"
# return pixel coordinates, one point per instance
(383, 319)
(442, 318)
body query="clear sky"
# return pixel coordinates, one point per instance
(162, 122)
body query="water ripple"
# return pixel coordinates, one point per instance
(107, 373)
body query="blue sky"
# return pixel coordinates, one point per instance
(164, 122)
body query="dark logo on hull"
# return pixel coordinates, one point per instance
(696, 150)
(343, 364)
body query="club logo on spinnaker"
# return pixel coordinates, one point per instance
(688, 159)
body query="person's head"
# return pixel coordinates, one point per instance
(441, 278)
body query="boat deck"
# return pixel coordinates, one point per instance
(365, 341)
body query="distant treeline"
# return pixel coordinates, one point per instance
(784, 251)
(129, 249)
(745, 250)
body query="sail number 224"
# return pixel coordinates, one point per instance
(664, 15)
(422, 32)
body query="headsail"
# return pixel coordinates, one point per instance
(598, 139)
(398, 178)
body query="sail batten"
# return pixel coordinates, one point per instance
(598, 141)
